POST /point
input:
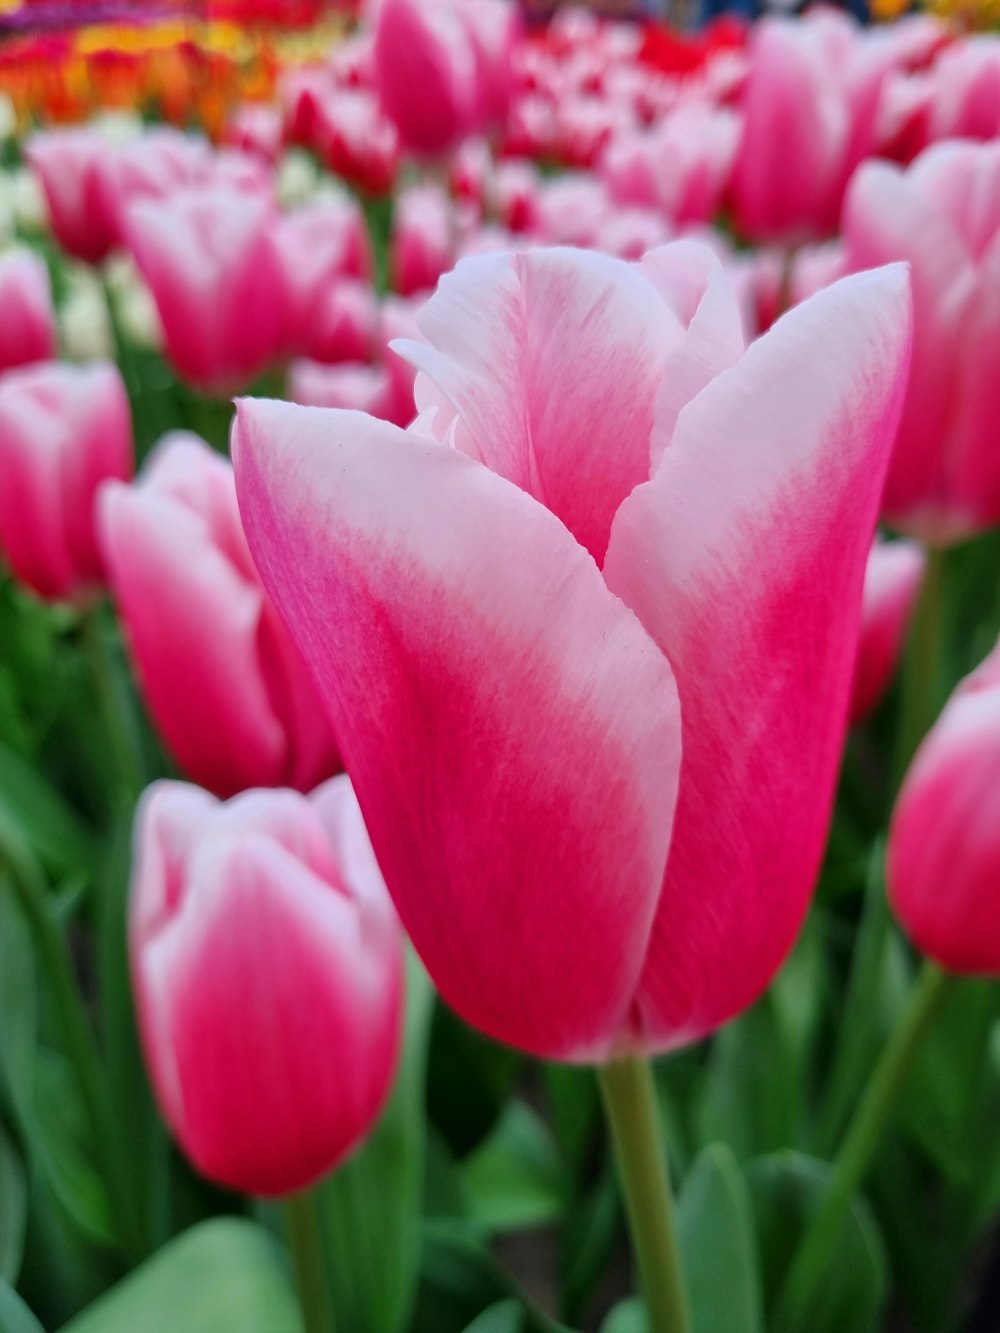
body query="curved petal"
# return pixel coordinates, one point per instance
(553, 358)
(510, 729)
(744, 557)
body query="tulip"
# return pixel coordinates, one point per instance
(943, 861)
(28, 324)
(267, 968)
(967, 88)
(256, 128)
(892, 585)
(423, 238)
(942, 214)
(64, 162)
(350, 384)
(357, 140)
(230, 694)
(63, 431)
(208, 256)
(318, 247)
(427, 70)
(151, 167)
(623, 558)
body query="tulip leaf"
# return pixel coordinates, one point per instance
(503, 1317)
(55, 833)
(13, 1208)
(719, 1246)
(222, 1274)
(628, 1316)
(372, 1204)
(18, 1003)
(15, 1317)
(786, 1189)
(512, 1180)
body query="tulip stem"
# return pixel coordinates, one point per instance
(875, 1110)
(306, 1244)
(921, 678)
(629, 1095)
(25, 877)
(119, 722)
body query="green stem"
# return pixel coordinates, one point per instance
(851, 1165)
(306, 1244)
(118, 721)
(629, 1095)
(31, 891)
(921, 677)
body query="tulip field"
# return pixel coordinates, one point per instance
(499, 669)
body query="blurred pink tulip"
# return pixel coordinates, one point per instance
(357, 140)
(344, 324)
(208, 256)
(630, 500)
(256, 128)
(27, 318)
(966, 77)
(150, 167)
(943, 862)
(318, 246)
(892, 585)
(230, 694)
(267, 969)
(64, 162)
(351, 384)
(942, 214)
(64, 430)
(423, 239)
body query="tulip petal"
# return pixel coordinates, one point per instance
(553, 359)
(511, 731)
(744, 557)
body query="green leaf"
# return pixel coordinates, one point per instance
(13, 1209)
(56, 835)
(504, 1317)
(223, 1274)
(628, 1316)
(371, 1206)
(512, 1181)
(61, 1150)
(718, 1246)
(15, 1317)
(786, 1189)
(18, 1004)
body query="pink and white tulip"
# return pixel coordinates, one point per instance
(546, 621)
(27, 317)
(229, 692)
(64, 162)
(267, 968)
(64, 431)
(892, 585)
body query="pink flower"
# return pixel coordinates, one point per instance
(267, 968)
(943, 863)
(422, 246)
(318, 247)
(967, 90)
(357, 140)
(63, 431)
(151, 167)
(594, 574)
(208, 256)
(351, 384)
(230, 694)
(64, 162)
(892, 585)
(28, 322)
(256, 128)
(943, 215)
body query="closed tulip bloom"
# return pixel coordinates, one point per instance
(967, 90)
(357, 140)
(423, 239)
(64, 162)
(350, 384)
(150, 167)
(230, 694)
(579, 630)
(208, 257)
(317, 246)
(892, 585)
(943, 860)
(942, 214)
(427, 73)
(267, 968)
(64, 430)
(28, 320)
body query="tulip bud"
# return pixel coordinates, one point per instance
(892, 584)
(63, 431)
(232, 697)
(267, 967)
(943, 862)
(27, 329)
(65, 161)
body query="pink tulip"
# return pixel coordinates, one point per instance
(27, 321)
(967, 90)
(632, 507)
(230, 694)
(209, 258)
(943, 863)
(357, 140)
(892, 585)
(427, 71)
(64, 430)
(256, 128)
(943, 215)
(423, 238)
(351, 384)
(267, 968)
(64, 162)
(318, 247)
(151, 167)
(345, 324)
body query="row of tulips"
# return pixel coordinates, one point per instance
(563, 552)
